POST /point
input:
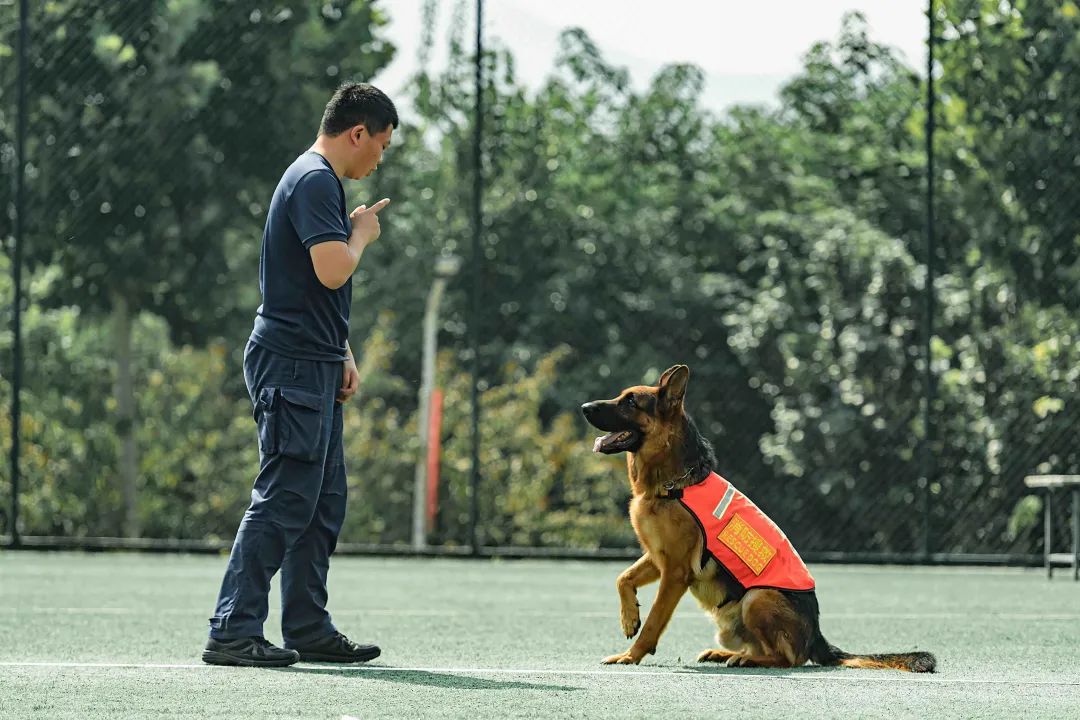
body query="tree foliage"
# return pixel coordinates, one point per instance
(778, 251)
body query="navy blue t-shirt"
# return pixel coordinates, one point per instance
(300, 317)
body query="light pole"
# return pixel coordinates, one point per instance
(445, 268)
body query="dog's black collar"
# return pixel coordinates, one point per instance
(674, 491)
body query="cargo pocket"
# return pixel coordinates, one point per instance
(266, 414)
(290, 423)
(300, 424)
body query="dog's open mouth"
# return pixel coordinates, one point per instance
(616, 442)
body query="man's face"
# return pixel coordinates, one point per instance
(367, 150)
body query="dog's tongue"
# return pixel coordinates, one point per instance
(599, 443)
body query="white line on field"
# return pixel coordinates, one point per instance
(676, 672)
(388, 612)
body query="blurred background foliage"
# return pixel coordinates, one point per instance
(779, 252)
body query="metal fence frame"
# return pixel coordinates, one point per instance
(475, 548)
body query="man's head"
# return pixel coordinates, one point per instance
(359, 119)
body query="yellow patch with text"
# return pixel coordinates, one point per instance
(747, 543)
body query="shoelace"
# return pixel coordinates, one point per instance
(350, 645)
(345, 642)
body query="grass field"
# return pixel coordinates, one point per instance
(119, 635)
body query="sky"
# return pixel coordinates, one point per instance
(747, 49)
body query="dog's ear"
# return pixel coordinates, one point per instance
(666, 375)
(673, 387)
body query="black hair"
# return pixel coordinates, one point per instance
(357, 103)
(698, 453)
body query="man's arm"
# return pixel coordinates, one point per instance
(335, 262)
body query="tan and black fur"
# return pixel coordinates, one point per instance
(755, 628)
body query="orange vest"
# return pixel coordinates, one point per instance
(743, 539)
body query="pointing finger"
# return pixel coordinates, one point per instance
(378, 206)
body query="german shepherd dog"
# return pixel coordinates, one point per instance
(756, 627)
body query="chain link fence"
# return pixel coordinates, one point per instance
(783, 253)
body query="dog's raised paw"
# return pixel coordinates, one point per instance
(630, 626)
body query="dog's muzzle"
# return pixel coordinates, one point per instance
(621, 435)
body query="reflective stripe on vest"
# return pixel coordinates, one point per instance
(743, 539)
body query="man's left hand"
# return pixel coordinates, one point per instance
(350, 381)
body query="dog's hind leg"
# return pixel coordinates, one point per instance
(732, 637)
(642, 572)
(767, 661)
(751, 653)
(716, 656)
(780, 633)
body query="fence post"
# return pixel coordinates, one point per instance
(16, 268)
(928, 332)
(477, 258)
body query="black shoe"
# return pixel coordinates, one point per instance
(337, 648)
(251, 651)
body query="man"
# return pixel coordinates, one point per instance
(299, 370)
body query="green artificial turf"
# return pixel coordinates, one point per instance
(118, 635)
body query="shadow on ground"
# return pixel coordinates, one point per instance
(455, 681)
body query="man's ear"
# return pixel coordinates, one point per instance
(673, 387)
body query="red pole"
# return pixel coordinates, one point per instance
(434, 449)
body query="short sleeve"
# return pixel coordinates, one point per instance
(315, 209)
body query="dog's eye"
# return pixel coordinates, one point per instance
(630, 401)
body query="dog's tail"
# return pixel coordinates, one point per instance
(824, 653)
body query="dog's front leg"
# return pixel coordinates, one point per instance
(672, 587)
(642, 572)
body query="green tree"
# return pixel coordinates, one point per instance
(1009, 336)
(149, 164)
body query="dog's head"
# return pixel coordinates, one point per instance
(640, 416)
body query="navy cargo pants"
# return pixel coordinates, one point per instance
(297, 504)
